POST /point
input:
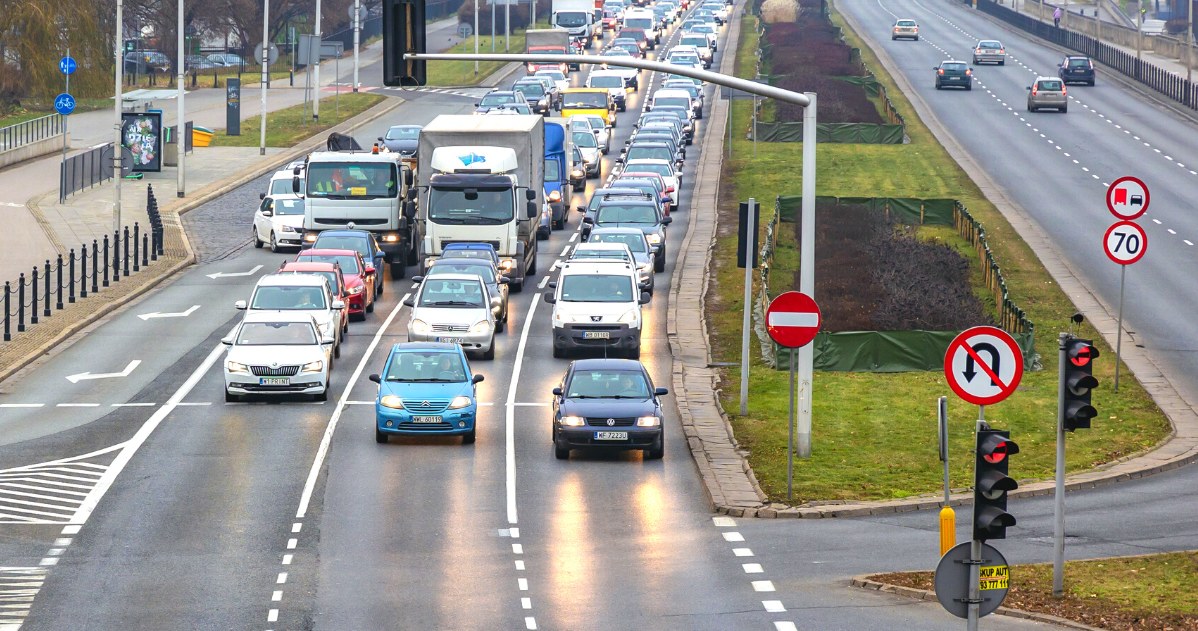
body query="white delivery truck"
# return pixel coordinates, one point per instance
(360, 190)
(581, 18)
(481, 179)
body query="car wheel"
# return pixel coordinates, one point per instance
(917, 38)
(322, 396)
(379, 436)
(532, 268)
(490, 352)
(659, 261)
(1064, 110)
(624, 107)
(1030, 108)
(542, 234)
(230, 397)
(558, 352)
(379, 284)
(937, 85)
(1003, 62)
(336, 353)
(369, 308)
(893, 38)
(658, 450)
(1090, 82)
(274, 243)
(516, 287)
(561, 452)
(969, 87)
(469, 437)
(257, 242)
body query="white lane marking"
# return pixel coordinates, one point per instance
(573, 237)
(1172, 231)
(763, 586)
(73, 529)
(291, 543)
(752, 568)
(1157, 221)
(86, 376)
(773, 606)
(78, 405)
(566, 250)
(327, 439)
(48, 561)
(1187, 242)
(555, 266)
(544, 281)
(272, 615)
(510, 420)
(133, 405)
(297, 526)
(785, 626)
(523, 583)
(520, 565)
(276, 596)
(517, 548)
(287, 559)
(723, 522)
(21, 405)
(526, 603)
(514, 533)
(530, 623)
(132, 445)
(733, 536)
(282, 580)
(233, 274)
(742, 552)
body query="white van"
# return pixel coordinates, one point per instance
(681, 98)
(300, 293)
(597, 306)
(643, 18)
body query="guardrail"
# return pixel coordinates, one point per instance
(84, 170)
(53, 285)
(30, 131)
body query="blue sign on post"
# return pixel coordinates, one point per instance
(64, 104)
(67, 65)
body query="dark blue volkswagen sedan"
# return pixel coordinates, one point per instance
(607, 404)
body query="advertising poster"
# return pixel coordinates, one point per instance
(141, 134)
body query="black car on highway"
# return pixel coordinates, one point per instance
(608, 404)
(1076, 69)
(953, 73)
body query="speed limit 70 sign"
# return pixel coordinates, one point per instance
(1125, 242)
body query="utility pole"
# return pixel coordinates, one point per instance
(357, 37)
(1189, 39)
(476, 36)
(316, 77)
(807, 271)
(117, 146)
(180, 128)
(265, 72)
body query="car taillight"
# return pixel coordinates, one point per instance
(940, 71)
(969, 72)
(1002, 51)
(1063, 91)
(1033, 90)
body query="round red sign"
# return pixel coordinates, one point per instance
(1127, 197)
(792, 319)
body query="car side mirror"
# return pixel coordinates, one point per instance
(410, 302)
(667, 220)
(417, 279)
(549, 299)
(657, 392)
(227, 341)
(532, 210)
(557, 392)
(295, 184)
(369, 270)
(261, 195)
(667, 200)
(240, 304)
(268, 213)
(588, 220)
(328, 340)
(338, 304)
(375, 378)
(1029, 88)
(378, 254)
(503, 280)
(476, 379)
(645, 297)
(411, 191)
(552, 284)
(581, 209)
(380, 139)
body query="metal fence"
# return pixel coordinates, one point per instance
(1167, 83)
(81, 272)
(30, 131)
(371, 27)
(84, 170)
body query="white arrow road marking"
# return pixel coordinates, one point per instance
(181, 314)
(793, 318)
(76, 378)
(229, 274)
(12, 205)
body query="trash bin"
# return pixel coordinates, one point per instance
(201, 136)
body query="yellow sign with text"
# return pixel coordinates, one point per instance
(993, 577)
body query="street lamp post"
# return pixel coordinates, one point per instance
(180, 137)
(316, 76)
(357, 38)
(265, 72)
(116, 109)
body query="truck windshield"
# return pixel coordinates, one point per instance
(607, 81)
(552, 174)
(645, 23)
(597, 288)
(491, 206)
(348, 180)
(570, 19)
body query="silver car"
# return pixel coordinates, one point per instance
(454, 308)
(483, 268)
(990, 51)
(1047, 92)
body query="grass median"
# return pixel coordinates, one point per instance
(874, 435)
(288, 126)
(461, 73)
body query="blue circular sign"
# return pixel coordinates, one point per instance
(64, 104)
(67, 65)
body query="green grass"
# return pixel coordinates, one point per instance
(874, 435)
(286, 127)
(32, 108)
(460, 73)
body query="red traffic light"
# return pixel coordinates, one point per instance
(1081, 353)
(994, 449)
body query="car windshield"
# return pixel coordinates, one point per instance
(276, 334)
(648, 188)
(447, 292)
(607, 384)
(584, 252)
(426, 366)
(634, 241)
(597, 288)
(652, 153)
(483, 270)
(288, 298)
(349, 264)
(585, 139)
(329, 277)
(569, 19)
(331, 242)
(906, 22)
(497, 99)
(691, 40)
(683, 60)
(617, 214)
(653, 167)
(487, 253)
(702, 28)
(607, 81)
(481, 206)
(680, 101)
(588, 100)
(403, 133)
(288, 206)
(990, 45)
(344, 180)
(283, 187)
(534, 90)
(642, 23)
(552, 74)
(1079, 63)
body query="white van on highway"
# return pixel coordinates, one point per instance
(597, 306)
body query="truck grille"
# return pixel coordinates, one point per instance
(267, 371)
(340, 221)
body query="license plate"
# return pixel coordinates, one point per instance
(274, 381)
(450, 340)
(426, 419)
(596, 335)
(611, 435)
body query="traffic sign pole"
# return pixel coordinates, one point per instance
(807, 270)
(793, 320)
(1119, 325)
(357, 38)
(265, 72)
(1125, 243)
(748, 310)
(1058, 502)
(790, 435)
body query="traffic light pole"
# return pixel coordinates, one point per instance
(975, 548)
(1058, 518)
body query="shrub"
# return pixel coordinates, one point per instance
(779, 11)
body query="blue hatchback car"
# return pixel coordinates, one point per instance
(426, 388)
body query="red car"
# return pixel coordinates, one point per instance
(331, 272)
(359, 276)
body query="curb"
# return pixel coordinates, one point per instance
(864, 582)
(208, 193)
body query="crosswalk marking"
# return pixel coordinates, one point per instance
(51, 492)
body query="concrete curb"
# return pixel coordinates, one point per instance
(864, 582)
(208, 193)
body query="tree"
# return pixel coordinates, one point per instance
(35, 34)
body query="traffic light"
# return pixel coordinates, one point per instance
(1077, 380)
(403, 32)
(991, 485)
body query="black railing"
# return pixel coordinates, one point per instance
(84, 170)
(54, 284)
(30, 131)
(1167, 83)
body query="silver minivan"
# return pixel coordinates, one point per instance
(1047, 92)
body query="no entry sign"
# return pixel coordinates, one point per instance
(983, 365)
(1125, 242)
(792, 319)
(1127, 197)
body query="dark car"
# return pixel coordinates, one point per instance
(638, 35)
(1076, 69)
(360, 241)
(146, 61)
(495, 98)
(954, 73)
(402, 139)
(592, 206)
(539, 99)
(608, 404)
(642, 212)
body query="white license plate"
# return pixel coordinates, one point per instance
(426, 419)
(274, 381)
(450, 340)
(611, 435)
(596, 335)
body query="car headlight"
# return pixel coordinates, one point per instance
(555, 196)
(419, 326)
(315, 366)
(506, 264)
(310, 237)
(460, 402)
(354, 291)
(391, 401)
(482, 326)
(648, 421)
(237, 368)
(654, 239)
(391, 237)
(578, 174)
(289, 229)
(573, 421)
(630, 317)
